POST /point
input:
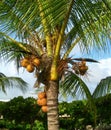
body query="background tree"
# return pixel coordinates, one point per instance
(101, 96)
(45, 34)
(19, 109)
(103, 88)
(22, 111)
(75, 114)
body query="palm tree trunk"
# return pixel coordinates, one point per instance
(52, 103)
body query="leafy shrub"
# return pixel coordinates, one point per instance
(38, 125)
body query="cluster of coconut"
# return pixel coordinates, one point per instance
(80, 67)
(42, 101)
(30, 62)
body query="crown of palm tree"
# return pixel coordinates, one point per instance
(54, 28)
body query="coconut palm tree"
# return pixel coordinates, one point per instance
(10, 82)
(45, 34)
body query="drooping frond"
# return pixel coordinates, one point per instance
(12, 50)
(103, 88)
(11, 82)
(74, 86)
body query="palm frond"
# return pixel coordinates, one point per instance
(88, 20)
(103, 88)
(85, 59)
(11, 82)
(107, 3)
(54, 12)
(12, 50)
(90, 23)
(15, 23)
(74, 86)
(27, 20)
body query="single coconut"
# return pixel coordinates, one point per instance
(36, 61)
(41, 95)
(30, 68)
(44, 108)
(83, 69)
(43, 101)
(24, 62)
(39, 102)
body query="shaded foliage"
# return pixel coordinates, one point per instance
(103, 105)
(22, 110)
(25, 114)
(79, 115)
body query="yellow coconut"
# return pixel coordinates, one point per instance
(39, 102)
(30, 68)
(44, 108)
(83, 69)
(41, 95)
(24, 62)
(42, 102)
(36, 61)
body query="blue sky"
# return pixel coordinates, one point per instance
(96, 72)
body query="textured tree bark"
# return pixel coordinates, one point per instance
(52, 103)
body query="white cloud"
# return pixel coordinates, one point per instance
(8, 69)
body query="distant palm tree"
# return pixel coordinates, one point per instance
(46, 31)
(103, 88)
(12, 82)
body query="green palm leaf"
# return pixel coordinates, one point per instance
(103, 88)
(89, 26)
(12, 50)
(74, 86)
(11, 82)
(16, 23)
(87, 19)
